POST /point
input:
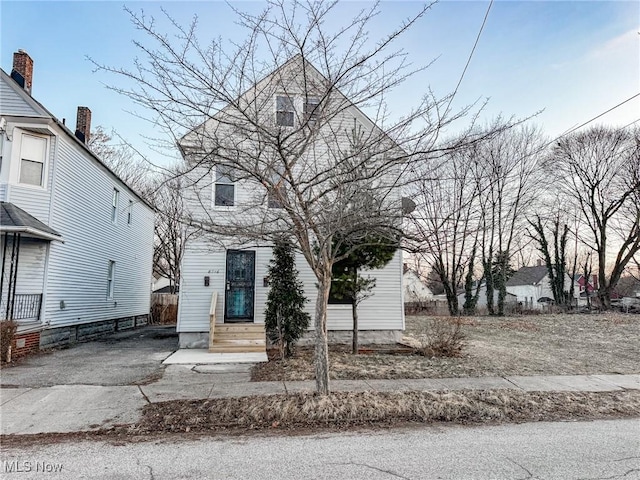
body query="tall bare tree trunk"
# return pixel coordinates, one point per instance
(322, 350)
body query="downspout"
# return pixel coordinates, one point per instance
(4, 259)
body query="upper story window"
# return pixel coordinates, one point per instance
(224, 194)
(284, 111)
(312, 109)
(32, 159)
(274, 197)
(130, 212)
(114, 205)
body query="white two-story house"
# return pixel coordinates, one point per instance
(231, 270)
(76, 241)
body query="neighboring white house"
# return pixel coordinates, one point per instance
(415, 290)
(237, 273)
(76, 241)
(511, 299)
(532, 287)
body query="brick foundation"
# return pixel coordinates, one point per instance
(25, 343)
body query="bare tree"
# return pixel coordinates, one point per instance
(555, 256)
(163, 190)
(511, 186)
(171, 229)
(444, 226)
(121, 158)
(598, 170)
(318, 167)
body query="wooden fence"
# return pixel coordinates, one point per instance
(164, 308)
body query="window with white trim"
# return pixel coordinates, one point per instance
(111, 277)
(276, 193)
(130, 212)
(311, 109)
(284, 111)
(33, 151)
(224, 187)
(115, 198)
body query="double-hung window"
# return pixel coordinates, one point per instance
(32, 159)
(275, 195)
(114, 205)
(130, 212)
(284, 111)
(224, 195)
(311, 110)
(111, 276)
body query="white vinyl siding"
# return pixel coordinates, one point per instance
(11, 102)
(75, 200)
(77, 273)
(382, 311)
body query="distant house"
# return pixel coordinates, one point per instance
(415, 290)
(532, 287)
(76, 241)
(162, 284)
(584, 288)
(511, 299)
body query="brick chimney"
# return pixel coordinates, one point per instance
(23, 66)
(83, 124)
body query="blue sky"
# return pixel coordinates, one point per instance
(573, 59)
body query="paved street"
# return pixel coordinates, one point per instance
(544, 451)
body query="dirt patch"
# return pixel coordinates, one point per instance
(580, 344)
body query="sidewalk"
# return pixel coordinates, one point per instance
(69, 408)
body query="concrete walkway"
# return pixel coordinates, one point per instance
(70, 408)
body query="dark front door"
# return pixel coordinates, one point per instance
(239, 295)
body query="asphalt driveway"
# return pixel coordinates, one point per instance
(130, 357)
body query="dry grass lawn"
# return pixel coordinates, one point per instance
(525, 345)
(344, 410)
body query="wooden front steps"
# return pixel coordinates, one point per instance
(234, 337)
(238, 338)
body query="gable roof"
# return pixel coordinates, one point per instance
(43, 113)
(15, 220)
(310, 70)
(528, 276)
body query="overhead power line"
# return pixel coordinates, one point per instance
(484, 21)
(600, 115)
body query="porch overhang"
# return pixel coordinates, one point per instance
(14, 220)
